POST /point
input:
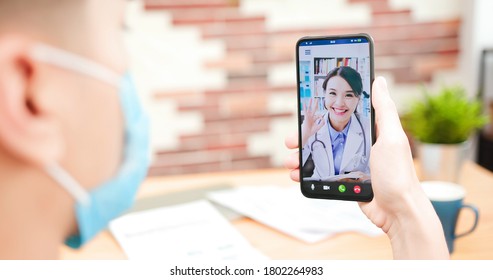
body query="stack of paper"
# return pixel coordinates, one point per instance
(188, 231)
(288, 211)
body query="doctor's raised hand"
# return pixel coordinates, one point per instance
(311, 123)
(399, 207)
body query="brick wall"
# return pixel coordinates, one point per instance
(238, 103)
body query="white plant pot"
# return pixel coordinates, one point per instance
(442, 161)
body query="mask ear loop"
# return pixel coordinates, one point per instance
(66, 60)
(73, 62)
(68, 183)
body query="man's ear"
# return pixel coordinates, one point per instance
(28, 131)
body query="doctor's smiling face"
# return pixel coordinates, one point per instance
(343, 87)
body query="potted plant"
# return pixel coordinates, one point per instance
(442, 125)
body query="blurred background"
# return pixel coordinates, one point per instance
(219, 77)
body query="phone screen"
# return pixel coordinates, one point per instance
(336, 122)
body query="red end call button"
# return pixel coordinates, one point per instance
(357, 189)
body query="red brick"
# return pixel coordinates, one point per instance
(211, 141)
(389, 63)
(269, 57)
(245, 42)
(182, 16)
(249, 88)
(256, 162)
(241, 126)
(449, 28)
(427, 65)
(248, 115)
(434, 30)
(391, 12)
(188, 4)
(392, 19)
(165, 159)
(221, 29)
(211, 154)
(212, 115)
(238, 82)
(408, 76)
(215, 15)
(179, 96)
(243, 105)
(419, 46)
(219, 146)
(283, 45)
(206, 161)
(252, 163)
(180, 169)
(156, 171)
(237, 61)
(249, 74)
(221, 16)
(207, 103)
(258, 122)
(375, 5)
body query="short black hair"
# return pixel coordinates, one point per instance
(351, 76)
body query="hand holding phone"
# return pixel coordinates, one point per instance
(336, 122)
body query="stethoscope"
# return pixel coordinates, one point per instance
(317, 141)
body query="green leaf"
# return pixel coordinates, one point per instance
(447, 117)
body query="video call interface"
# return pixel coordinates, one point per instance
(335, 111)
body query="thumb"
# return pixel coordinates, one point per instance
(386, 116)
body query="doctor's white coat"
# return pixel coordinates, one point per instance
(353, 156)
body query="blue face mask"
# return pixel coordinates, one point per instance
(95, 209)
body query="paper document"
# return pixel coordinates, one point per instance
(188, 231)
(287, 210)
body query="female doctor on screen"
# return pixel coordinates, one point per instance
(338, 141)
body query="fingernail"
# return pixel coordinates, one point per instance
(382, 81)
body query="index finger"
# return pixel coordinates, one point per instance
(292, 141)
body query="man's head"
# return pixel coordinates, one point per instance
(51, 114)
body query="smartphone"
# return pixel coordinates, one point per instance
(335, 116)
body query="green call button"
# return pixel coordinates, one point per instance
(342, 188)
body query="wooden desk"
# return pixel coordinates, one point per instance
(478, 245)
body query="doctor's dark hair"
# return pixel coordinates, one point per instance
(351, 76)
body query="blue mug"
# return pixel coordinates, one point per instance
(447, 199)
